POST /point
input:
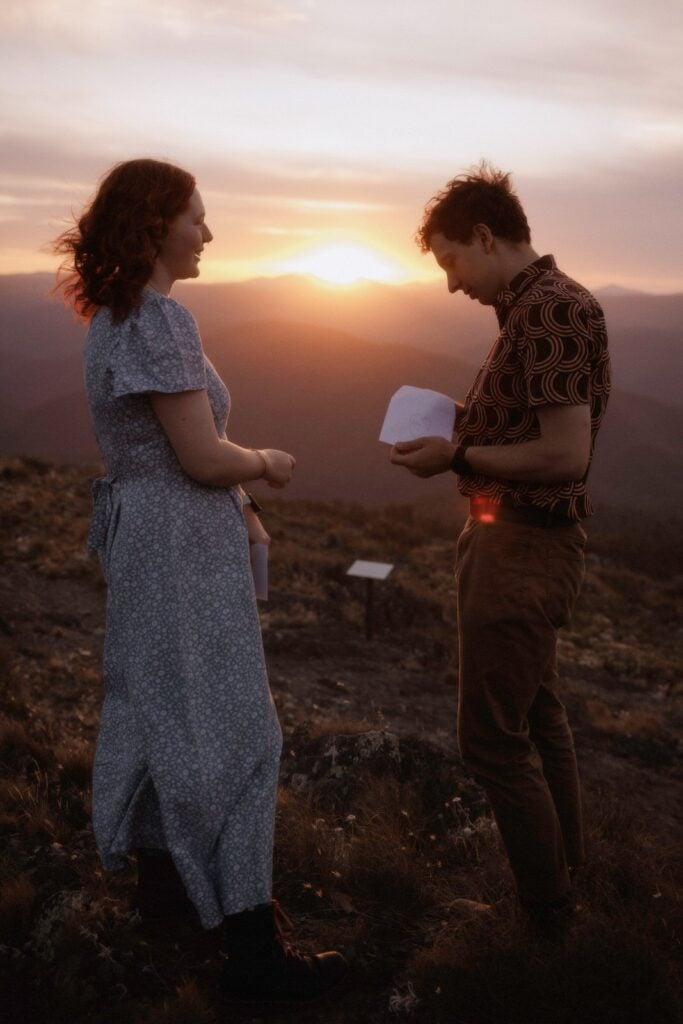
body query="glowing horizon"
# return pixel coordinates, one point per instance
(343, 263)
(217, 271)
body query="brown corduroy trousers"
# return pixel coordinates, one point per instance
(516, 588)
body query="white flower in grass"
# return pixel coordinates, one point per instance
(403, 1002)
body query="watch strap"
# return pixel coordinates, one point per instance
(251, 501)
(459, 463)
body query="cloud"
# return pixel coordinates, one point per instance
(612, 221)
(387, 81)
(299, 116)
(582, 52)
(615, 222)
(17, 15)
(39, 163)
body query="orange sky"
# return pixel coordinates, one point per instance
(312, 125)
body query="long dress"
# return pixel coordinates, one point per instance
(189, 744)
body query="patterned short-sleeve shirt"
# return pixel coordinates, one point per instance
(551, 350)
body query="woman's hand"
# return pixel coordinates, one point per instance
(255, 528)
(279, 466)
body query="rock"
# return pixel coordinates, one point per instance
(339, 764)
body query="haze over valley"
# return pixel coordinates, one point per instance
(311, 368)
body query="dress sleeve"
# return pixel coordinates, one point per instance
(555, 348)
(159, 350)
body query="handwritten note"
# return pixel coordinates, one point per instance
(259, 569)
(418, 412)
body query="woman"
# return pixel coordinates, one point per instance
(186, 765)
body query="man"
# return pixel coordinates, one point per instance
(525, 436)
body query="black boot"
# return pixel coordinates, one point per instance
(264, 973)
(550, 922)
(160, 892)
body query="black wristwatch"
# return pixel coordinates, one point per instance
(459, 463)
(250, 501)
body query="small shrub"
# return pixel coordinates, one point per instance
(17, 902)
(19, 750)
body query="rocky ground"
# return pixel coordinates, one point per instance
(384, 846)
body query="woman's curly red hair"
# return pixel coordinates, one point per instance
(111, 250)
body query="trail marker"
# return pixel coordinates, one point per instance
(369, 571)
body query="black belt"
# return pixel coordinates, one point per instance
(527, 515)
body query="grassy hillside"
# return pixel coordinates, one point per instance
(384, 846)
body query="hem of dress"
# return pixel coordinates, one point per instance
(209, 921)
(259, 898)
(115, 861)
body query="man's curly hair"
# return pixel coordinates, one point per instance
(110, 252)
(483, 195)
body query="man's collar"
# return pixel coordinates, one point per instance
(519, 283)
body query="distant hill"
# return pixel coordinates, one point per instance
(303, 380)
(646, 331)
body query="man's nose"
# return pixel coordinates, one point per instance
(453, 284)
(208, 237)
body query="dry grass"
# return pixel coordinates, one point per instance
(187, 1006)
(17, 898)
(45, 515)
(613, 967)
(393, 856)
(395, 879)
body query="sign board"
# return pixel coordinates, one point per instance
(370, 570)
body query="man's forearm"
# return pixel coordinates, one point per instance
(561, 453)
(539, 461)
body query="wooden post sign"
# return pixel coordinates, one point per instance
(369, 571)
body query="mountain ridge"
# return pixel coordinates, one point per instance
(336, 387)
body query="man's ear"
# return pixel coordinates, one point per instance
(483, 233)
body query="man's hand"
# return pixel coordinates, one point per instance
(425, 456)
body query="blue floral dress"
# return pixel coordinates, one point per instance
(188, 751)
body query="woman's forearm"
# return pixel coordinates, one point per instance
(228, 465)
(187, 420)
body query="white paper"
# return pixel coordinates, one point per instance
(259, 569)
(418, 412)
(370, 570)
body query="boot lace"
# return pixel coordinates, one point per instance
(284, 926)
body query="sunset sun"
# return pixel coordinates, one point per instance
(343, 264)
